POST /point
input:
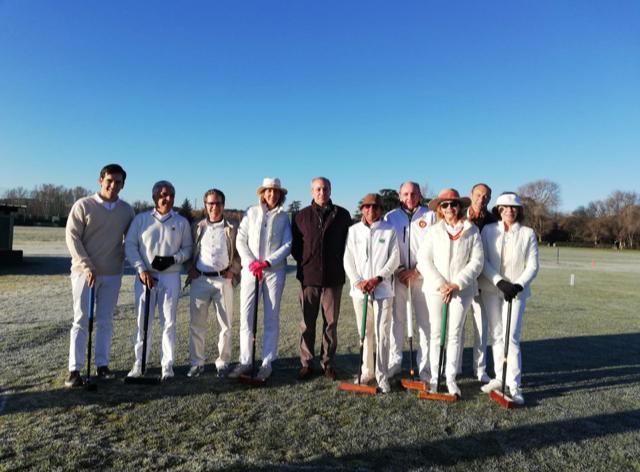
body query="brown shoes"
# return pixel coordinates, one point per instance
(329, 373)
(304, 373)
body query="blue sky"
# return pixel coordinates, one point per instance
(221, 94)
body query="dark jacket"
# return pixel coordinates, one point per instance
(319, 237)
(482, 220)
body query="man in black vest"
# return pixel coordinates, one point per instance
(319, 236)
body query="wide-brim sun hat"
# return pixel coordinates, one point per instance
(447, 195)
(371, 199)
(269, 182)
(508, 199)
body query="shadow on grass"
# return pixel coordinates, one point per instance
(552, 367)
(476, 447)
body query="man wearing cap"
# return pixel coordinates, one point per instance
(264, 242)
(410, 222)
(157, 244)
(94, 235)
(371, 258)
(319, 236)
(214, 265)
(478, 214)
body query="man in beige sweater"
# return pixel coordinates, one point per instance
(95, 232)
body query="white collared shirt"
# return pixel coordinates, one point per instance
(104, 203)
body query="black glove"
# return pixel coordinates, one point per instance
(508, 289)
(518, 288)
(163, 262)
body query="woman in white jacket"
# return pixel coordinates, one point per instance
(511, 264)
(263, 242)
(450, 260)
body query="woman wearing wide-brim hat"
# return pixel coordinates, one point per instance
(264, 242)
(511, 264)
(450, 260)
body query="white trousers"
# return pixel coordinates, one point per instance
(379, 313)
(270, 288)
(165, 297)
(480, 329)
(455, 323)
(399, 324)
(107, 288)
(219, 292)
(497, 309)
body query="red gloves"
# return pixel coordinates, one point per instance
(256, 268)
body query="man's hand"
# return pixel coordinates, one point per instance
(407, 275)
(229, 275)
(192, 275)
(147, 279)
(369, 285)
(447, 290)
(90, 278)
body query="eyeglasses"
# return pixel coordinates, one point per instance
(452, 204)
(214, 203)
(371, 205)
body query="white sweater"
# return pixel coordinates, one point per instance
(442, 260)
(150, 235)
(521, 250)
(371, 252)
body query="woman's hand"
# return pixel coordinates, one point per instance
(447, 290)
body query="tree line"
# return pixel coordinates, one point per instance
(614, 221)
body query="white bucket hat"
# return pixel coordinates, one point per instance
(508, 199)
(269, 182)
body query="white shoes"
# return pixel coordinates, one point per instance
(239, 370)
(433, 385)
(384, 386)
(516, 394)
(453, 388)
(365, 379)
(167, 373)
(494, 384)
(264, 373)
(195, 371)
(135, 372)
(484, 378)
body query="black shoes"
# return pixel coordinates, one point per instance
(104, 373)
(74, 380)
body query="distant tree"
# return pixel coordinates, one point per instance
(186, 210)
(294, 207)
(390, 199)
(540, 198)
(140, 206)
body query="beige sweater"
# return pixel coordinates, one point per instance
(95, 236)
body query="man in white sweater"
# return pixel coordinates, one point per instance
(410, 222)
(371, 258)
(94, 234)
(157, 244)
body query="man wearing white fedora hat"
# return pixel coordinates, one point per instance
(263, 242)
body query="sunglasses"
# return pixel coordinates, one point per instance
(371, 205)
(452, 204)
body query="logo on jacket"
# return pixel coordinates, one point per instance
(422, 224)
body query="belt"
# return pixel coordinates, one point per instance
(213, 274)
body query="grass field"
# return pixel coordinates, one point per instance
(581, 356)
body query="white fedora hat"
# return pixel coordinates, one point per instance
(269, 182)
(508, 199)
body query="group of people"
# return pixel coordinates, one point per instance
(453, 251)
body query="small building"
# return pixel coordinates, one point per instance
(7, 254)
